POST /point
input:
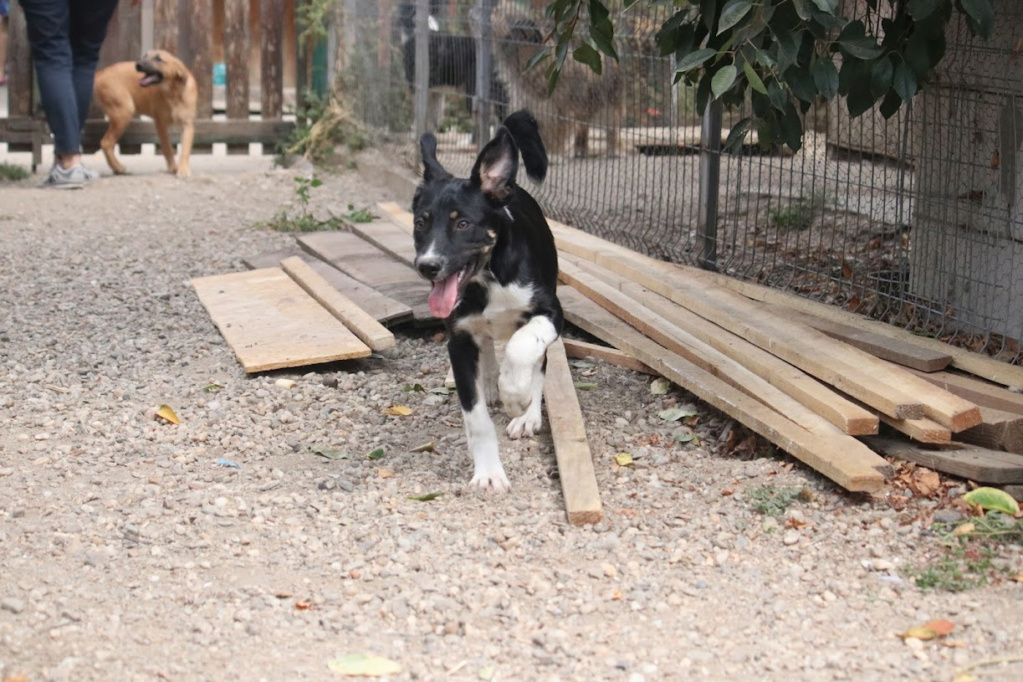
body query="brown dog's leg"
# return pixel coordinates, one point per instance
(187, 135)
(582, 140)
(166, 148)
(109, 141)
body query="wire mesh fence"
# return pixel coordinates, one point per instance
(915, 220)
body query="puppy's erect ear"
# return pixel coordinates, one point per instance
(432, 170)
(497, 166)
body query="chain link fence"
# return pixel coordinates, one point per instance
(915, 220)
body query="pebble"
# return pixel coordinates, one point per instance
(12, 604)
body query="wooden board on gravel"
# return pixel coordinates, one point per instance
(575, 461)
(270, 322)
(363, 261)
(969, 461)
(384, 309)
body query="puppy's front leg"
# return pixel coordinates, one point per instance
(523, 365)
(187, 136)
(479, 428)
(488, 369)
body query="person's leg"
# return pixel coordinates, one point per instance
(48, 37)
(89, 20)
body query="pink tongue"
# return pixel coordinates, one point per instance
(444, 296)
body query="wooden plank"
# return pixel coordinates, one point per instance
(679, 341)
(270, 322)
(363, 261)
(960, 459)
(612, 356)
(142, 131)
(383, 308)
(849, 417)
(575, 462)
(978, 391)
(883, 386)
(271, 40)
(388, 237)
(200, 14)
(922, 430)
(896, 351)
(587, 246)
(166, 25)
(999, 431)
(396, 214)
(236, 53)
(841, 458)
(361, 323)
(19, 64)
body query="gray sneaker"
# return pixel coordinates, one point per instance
(75, 177)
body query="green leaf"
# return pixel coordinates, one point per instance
(788, 48)
(541, 55)
(825, 77)
(802, 8)
(732, 13)
(585, 385)
(854, 41)
(753, 79)
(364, 665)
(792, 128)
(328, 453)
(904, 82)
(585, 54)
(673, 414)
(891, 104)
(378, 453)
(694, 59)
(601, 29)
(993, 499)
(881, 76)
(827, 5)
(723, 79)
(425, 498)
(659, 386)
(211, 387)
(921, 9)
(982, 16)
(624, 459)
(801, 83)
(425, 447)
(733, 143)
(413, 388)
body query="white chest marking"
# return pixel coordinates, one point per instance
(503, 314)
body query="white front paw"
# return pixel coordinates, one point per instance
(515, 386)
(489, 478)
(526, 425)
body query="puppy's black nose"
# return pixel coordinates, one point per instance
(139, 67)
(428, 268)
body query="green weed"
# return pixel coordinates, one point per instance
(10, 172)
(771, 500)
(302, 220)
(359, 215)
(799, 214)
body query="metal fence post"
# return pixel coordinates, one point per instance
(710, 183)
(422, 90)
(484, 73)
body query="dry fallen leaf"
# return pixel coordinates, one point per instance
(624, 459)
(925, 482)
(932, 629)
(364, 665)
(303, 605)
(385, 473)
(166, 413)
(397, 410)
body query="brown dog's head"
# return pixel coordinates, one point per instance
(157, 66)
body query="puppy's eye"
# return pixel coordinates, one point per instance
(418, 225)
(462, 225)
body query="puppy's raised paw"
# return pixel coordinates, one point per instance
(515, 386)
(527, 425)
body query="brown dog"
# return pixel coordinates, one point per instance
(159, 86)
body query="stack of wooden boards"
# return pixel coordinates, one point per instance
(817, 381)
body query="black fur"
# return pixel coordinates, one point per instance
(490, 226)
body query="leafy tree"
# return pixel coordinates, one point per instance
(779, 53)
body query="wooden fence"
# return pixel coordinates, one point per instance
(255, 39)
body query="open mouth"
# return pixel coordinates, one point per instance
(447, 292)
(149, 76)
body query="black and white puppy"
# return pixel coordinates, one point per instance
(484, 244)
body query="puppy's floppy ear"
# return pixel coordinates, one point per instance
(432, 170)
(497, 166)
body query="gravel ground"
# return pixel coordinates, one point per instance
(128, 553)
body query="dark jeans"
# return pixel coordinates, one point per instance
(65, 37)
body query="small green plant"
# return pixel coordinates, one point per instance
(303, 220)
(10, 172)
(800, 214)
(968, 553)
(771, 500)
(359, 215)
